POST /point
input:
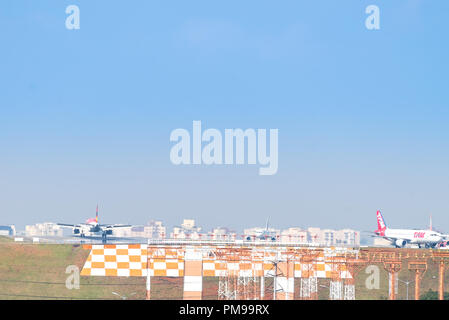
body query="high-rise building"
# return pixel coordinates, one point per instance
(220, 233)
(153, 230)
(294, 235)
(187, 230)
(7, 231)
(43, 229)
(314, 235)
(330, 237)
(347, 237)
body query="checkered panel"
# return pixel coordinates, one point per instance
(131, 260)
(116, 260)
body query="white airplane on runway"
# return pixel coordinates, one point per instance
(262, 234)
(91, 229)
(401, 237)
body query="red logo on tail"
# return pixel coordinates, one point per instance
(381, 226)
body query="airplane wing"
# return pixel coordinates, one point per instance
(373, 235)
(114, 238)
(112, 226)
(79, 225)
(68, 225)
(392, 239)
(370, 234)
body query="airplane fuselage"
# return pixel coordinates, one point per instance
(420, 237)
(90, 229)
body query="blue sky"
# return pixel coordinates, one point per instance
(86, 115)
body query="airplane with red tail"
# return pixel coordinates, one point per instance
(401, 237)
(92, 229)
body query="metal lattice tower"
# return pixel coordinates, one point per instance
(309, 281)
(308, 287)
(247, 288)
(226, 290)
(353, 265)
(349, 293)
(336, 283)
(313, 281)
(305, 290)
(336, 290)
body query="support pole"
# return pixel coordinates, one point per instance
(148, 286)
(417, 284)
(441, 281)
(262, 287)
(275, 282)
(441, 257)
(285, 283)
(393, 285)
(150, 266)
(393, 267)
(419, 267)
(193, 274)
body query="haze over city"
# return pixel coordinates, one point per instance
(362, 116)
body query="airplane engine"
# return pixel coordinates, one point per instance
(400, 243)
(76, 231)
(248, 238)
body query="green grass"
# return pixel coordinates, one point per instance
(5, 239)
(38, 271)
(429, 281)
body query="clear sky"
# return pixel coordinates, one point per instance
(363, 115)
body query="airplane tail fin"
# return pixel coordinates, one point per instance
(266, 225)
(96, 214)
(381, 226)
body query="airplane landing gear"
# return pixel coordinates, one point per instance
(103, 237)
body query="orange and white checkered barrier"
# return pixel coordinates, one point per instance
(116, 260)
(141, 260)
